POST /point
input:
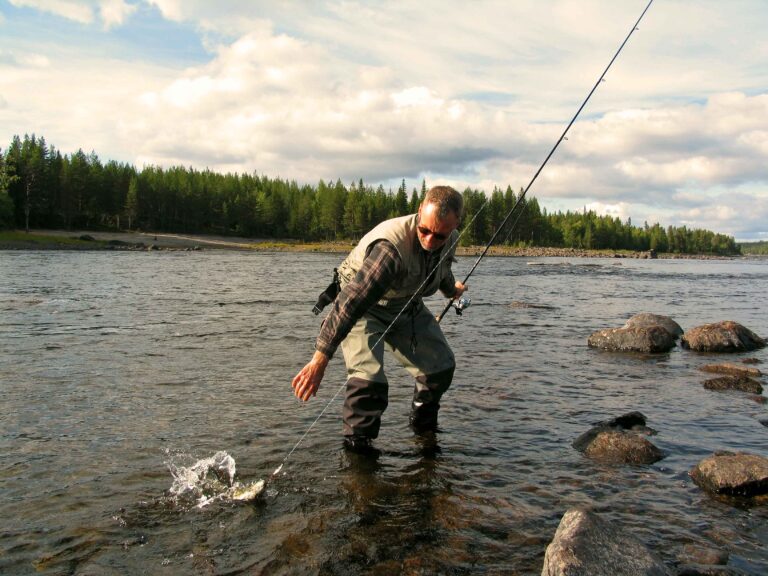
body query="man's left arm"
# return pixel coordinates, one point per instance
(449, 286)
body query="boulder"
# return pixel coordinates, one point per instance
(729, 368)
(725, 336)
(652, 339)
(733, 382)
(732, 474)
(622, 447)
(628, 421)
(646, 320)
(587, 545)
(618, 441)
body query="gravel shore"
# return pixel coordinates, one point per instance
(88, 240)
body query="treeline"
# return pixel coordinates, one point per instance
(754, 248)
(41, 188)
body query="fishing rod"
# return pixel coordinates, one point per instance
(544, 163)
(256, 488)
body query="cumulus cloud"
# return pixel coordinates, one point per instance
(348, 90)
(111, 12)
(115, 12)
(69, 9)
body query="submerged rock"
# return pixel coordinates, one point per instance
(692, 554)
(708, 570)
(619, 441)
(732, 474)
(734, 382)
(646, 320)
(519, 304)
(651, 339)
(725, 336)
(729, 368)
(587, 545)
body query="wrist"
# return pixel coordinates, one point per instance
(320, 358)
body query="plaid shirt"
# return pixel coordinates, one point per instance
(380, 269)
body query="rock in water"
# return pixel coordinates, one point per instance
(732, 474)
(731, 382)
(622, 447)
(587, 545)
(619, 441)
(653, 339)
(646, 320)
(725, 336)
(729, 368)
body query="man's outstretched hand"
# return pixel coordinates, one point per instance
(307, 381)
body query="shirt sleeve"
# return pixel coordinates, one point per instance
(379, 271)
(448, 285)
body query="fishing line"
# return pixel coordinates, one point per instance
(465, 228)
(551, 152)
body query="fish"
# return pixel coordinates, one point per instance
(246, 492)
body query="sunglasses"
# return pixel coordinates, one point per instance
(427, 232)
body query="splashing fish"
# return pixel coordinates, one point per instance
(212, 479)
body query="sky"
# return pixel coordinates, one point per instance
(460, 93)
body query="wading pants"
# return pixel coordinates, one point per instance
(418, 344)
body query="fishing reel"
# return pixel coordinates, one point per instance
(462, 304)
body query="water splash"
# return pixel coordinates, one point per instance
(209, 480)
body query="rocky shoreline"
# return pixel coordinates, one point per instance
(149, 241)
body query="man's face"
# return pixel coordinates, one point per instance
(433, 231)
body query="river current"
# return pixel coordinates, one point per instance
(119, 368)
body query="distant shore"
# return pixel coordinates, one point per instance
(121, 240)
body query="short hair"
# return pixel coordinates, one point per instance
(447, 200)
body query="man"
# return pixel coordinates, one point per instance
(378, 278)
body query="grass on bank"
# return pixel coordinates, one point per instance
(19, 238)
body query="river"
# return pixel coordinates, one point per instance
(119, 368)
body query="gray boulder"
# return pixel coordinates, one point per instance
(725, 336)
(646, 320)
(732, 474)
(587, 545)
(651, 339)
(734, 382)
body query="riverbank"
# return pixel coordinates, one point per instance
(122, 240)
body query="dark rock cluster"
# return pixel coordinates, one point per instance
(585, 543)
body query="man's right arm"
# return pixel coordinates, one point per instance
(380, 269)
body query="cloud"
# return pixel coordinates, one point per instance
(173, 9)
(350, 90)
(111, 12)
(69, 9)
(115, 12)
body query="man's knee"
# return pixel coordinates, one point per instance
(431, 387)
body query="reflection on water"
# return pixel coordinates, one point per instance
(111, 362)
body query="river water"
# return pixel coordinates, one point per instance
(119, 368)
